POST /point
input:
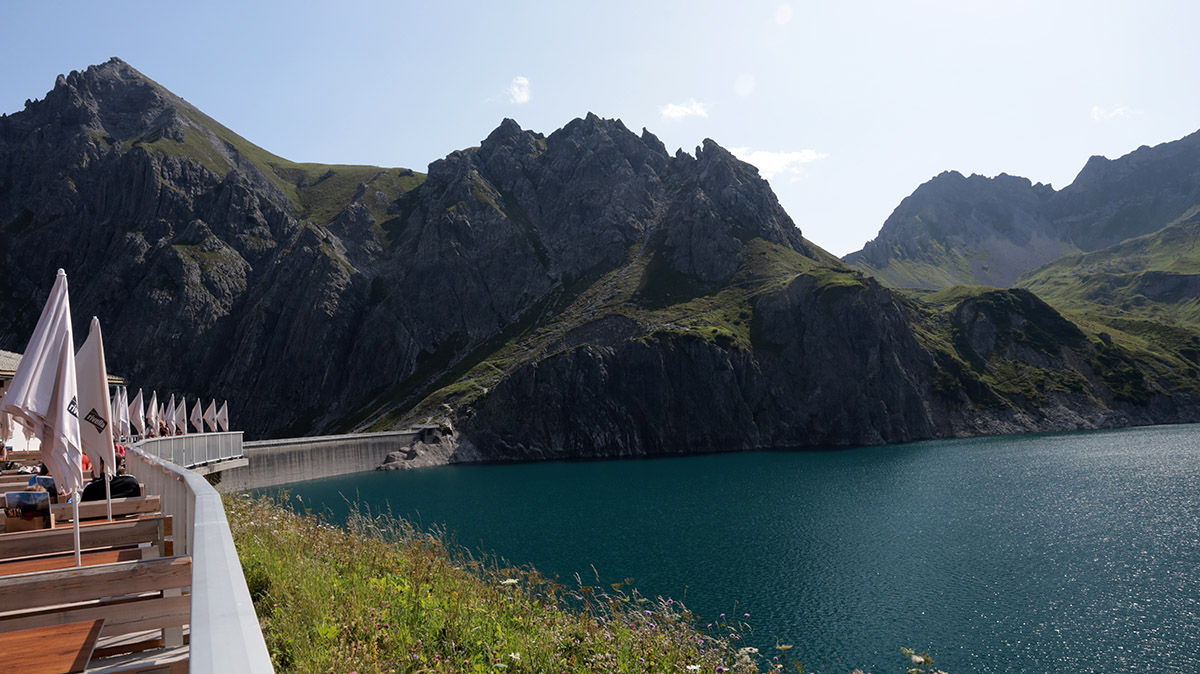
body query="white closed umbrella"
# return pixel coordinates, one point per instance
(152, 413)
(122, 412)
(210, 416)
(223, 417)
(137, 413)
(181, 416)
(43, 398)
(96, 427)
(169, 415)
(198, 417)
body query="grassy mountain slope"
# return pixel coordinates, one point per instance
(1008, 348)
(1003, 353)
(317, 192)
(1153, 277)
(639, 299)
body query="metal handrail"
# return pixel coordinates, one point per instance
(225, 633)
(195, 449)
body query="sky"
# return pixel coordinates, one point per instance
(844, 106)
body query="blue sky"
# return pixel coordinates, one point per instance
(845, 107)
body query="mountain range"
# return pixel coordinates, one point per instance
(588, 293)
(956, 230)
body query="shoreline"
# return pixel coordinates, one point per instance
(273, 463)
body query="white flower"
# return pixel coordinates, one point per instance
(509, 581)
(918, 660)
(693, 668)
(515, 656)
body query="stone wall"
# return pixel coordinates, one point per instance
(275, 462)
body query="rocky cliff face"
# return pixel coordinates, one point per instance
(584, 293)
(990, 231)
(829, 368)
(306, 294)
(831, 364)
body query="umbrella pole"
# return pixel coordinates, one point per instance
(78, 557)
(108, 493)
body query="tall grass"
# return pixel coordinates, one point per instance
(379, 595)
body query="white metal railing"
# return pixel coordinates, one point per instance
(225, 634)
(195, 449)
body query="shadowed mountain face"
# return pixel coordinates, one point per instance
(584, 293)
(301, 291)
(955, 230)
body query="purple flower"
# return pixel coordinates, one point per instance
(747, 615)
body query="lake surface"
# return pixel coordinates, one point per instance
(1072, 552)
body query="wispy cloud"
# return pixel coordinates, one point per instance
(690, 109)
(1100, 114)
(771, 164)
(518, 92)
(783, 14)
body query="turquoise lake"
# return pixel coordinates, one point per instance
(1070, 552)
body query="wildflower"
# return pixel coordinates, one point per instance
(918, 660)
(515, 656)
(509, 581)
(747, 615)
(690, 668)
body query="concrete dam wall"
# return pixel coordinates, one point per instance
(276, 462)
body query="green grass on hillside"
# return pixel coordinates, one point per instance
(940, 267)
(1132, 358)
(1151, 277)
(318, 191)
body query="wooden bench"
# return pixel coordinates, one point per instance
(131, 506)
(66, 561)
(16, 482)
(143, 603)
(25, 457)
(155, 530)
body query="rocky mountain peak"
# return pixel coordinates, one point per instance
(931, 238)
(1112, 200)
(978, 230)
(112, 99)
(653, 142)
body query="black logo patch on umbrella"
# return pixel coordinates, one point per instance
(96, 420)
